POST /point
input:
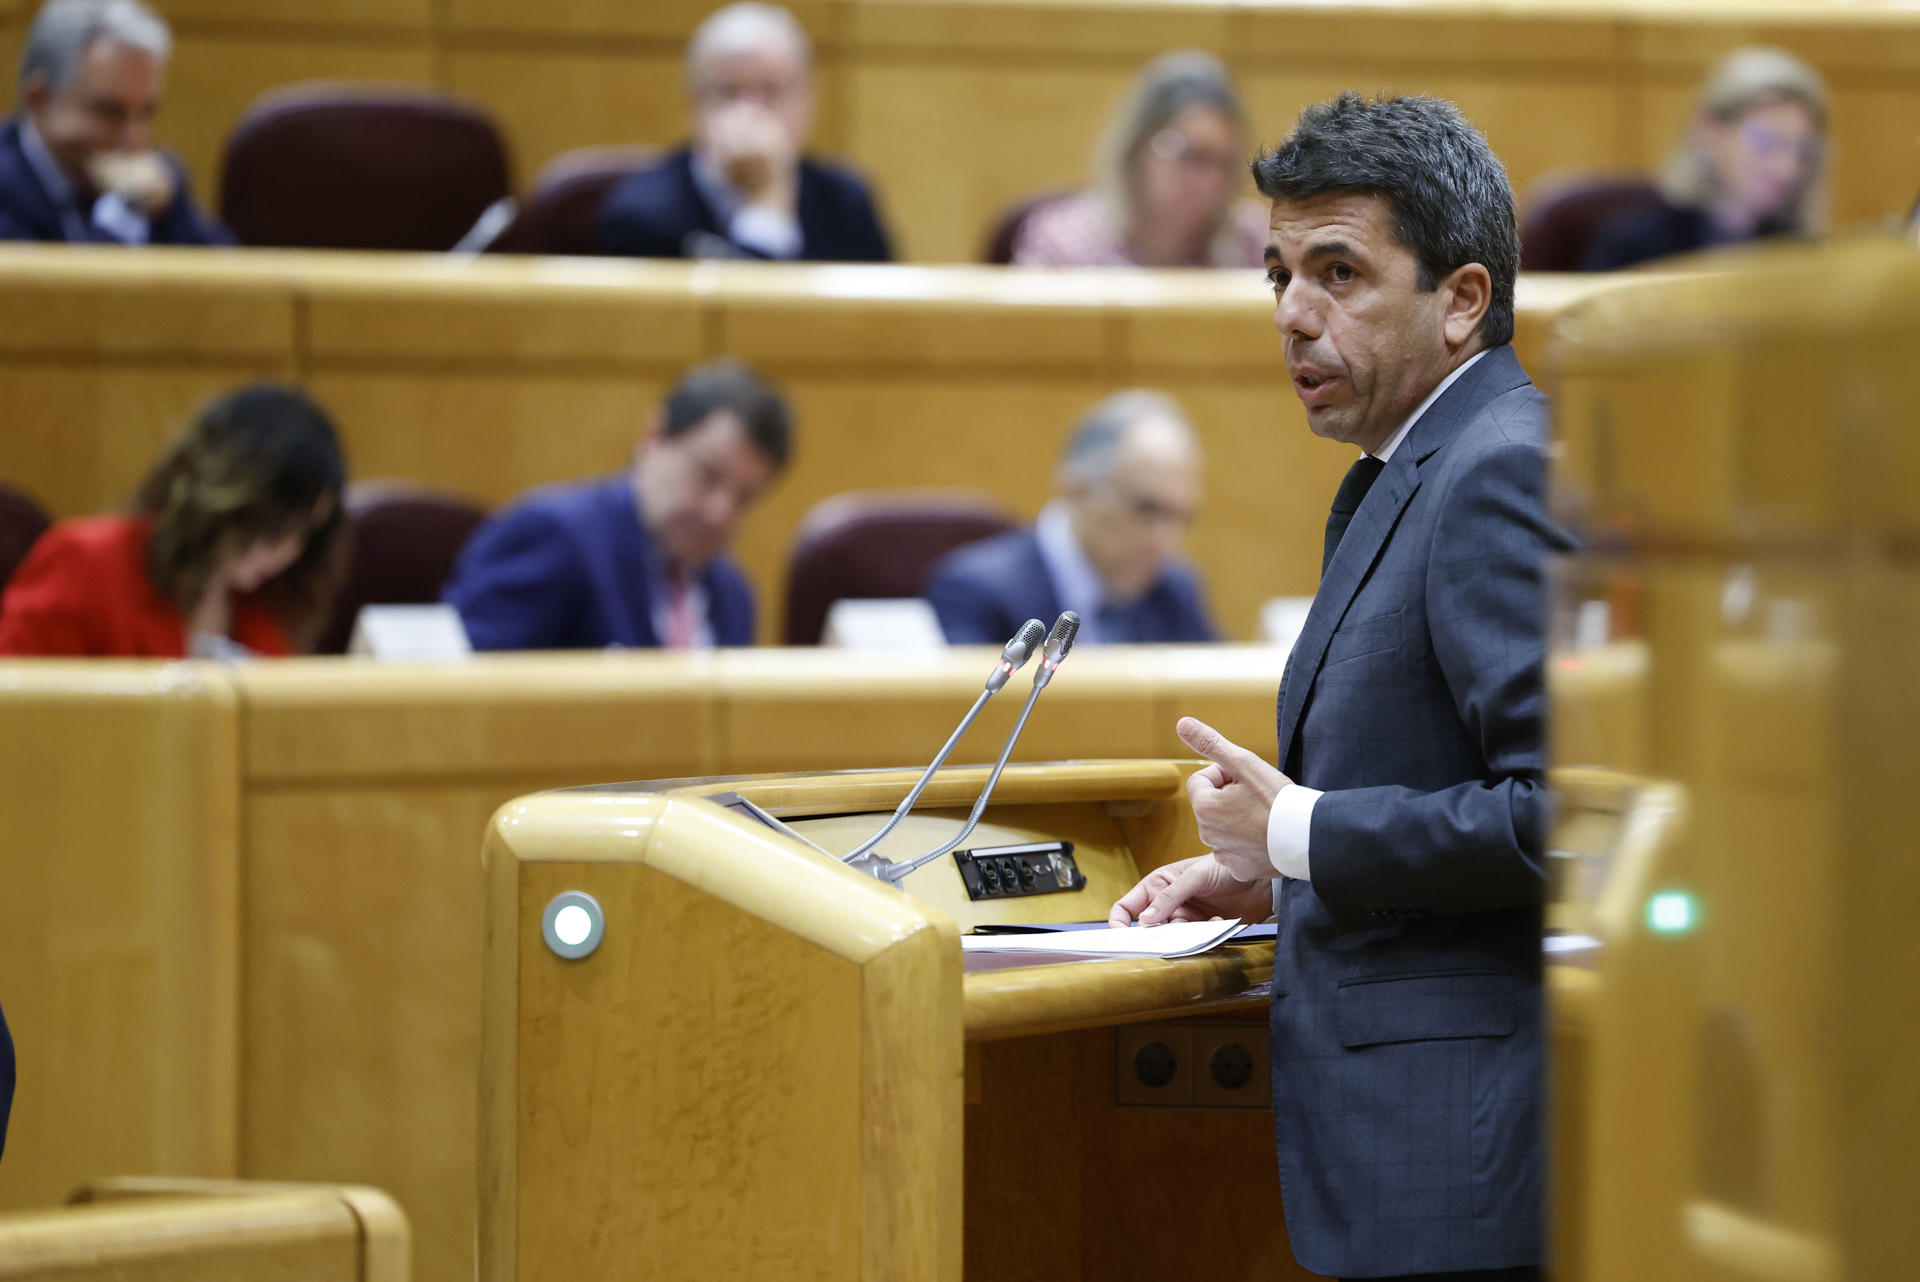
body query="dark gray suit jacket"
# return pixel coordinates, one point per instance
(1407, 986)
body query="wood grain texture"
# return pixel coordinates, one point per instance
(119, 928)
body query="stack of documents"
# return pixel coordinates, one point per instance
(1175, 939)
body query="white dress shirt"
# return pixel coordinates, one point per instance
(1290, 822)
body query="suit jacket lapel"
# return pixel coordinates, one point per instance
(1359, 548)
(632, 555)
(1496, 373)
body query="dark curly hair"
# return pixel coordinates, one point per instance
(1452, 203)
(260, 462)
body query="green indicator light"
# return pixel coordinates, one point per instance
(1672, 912)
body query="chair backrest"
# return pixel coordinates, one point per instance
(324, 166)
(21, 522)
(1006, 231)
(403, 545)
(1564, 216)
(561, 211)
(877, 543)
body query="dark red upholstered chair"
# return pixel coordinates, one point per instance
(1564, 217)
(561, 211)
(1006, 232)
(402, 544)
(877, 544)
(326, 166)
(21, 522)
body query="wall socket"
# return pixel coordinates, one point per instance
(1191, 1066)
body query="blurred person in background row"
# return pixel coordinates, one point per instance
(78, 162)
(636, 559)
(234, 541)
(1170, 170)
(1752, 165)
(743, 189)
(1127, 488)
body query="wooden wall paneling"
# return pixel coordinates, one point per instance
(667, 20)
(118, 931)
(550, 100)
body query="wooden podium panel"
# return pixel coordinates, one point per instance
(774, 1061)
(1744, 448)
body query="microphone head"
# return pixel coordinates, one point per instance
(1060, 640)
(1021, 648)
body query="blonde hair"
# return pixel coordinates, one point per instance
(1164, 88)
(1743, 80)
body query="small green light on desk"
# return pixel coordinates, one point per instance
(1672, 912)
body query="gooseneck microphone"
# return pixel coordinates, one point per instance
(1012, 658)
(1052, 654)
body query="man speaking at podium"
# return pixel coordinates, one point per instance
(1408, 828)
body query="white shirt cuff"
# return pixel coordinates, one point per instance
(770, 231)
(1289, 826)
(113, 215)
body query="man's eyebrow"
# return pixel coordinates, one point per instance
(1273, 254)
(1329, 249)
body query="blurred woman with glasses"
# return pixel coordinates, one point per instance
(1171, 167)
(1752, 165)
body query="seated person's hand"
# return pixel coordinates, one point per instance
(1194, 889)
(141, 178)
(753, 149)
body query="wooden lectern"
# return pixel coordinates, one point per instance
(773, 1065)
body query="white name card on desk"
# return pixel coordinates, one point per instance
(1175, 939)
(410, 634)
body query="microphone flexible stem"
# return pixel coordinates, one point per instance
(895, 872)
(926, 777)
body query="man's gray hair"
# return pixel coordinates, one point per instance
(1095, 444)
(64, 30)
(741, 28)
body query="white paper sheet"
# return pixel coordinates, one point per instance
(1176, 939)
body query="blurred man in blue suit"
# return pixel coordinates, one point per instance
(78, 164)
(743, 188)
(1402, 842)
(636, 559)
(1128, 486)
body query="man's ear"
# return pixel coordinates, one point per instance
(35, 92)
(651, 436)
(1465, 294)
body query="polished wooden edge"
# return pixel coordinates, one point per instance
(1028, 1000)
(765, 874)
(789, 796)
(106, 1233)
(116, 679)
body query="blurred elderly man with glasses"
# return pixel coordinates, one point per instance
(1127, 488)
(742, 188)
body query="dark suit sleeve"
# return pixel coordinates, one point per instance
(965, 610)
(867, 234)
(13, 227)
(184, 223)
(519, 584)
(1478, 846)
(6, 1079)
(630, 225)
(1196, 620)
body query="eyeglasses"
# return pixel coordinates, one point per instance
(1171, 144)
(1767, 141)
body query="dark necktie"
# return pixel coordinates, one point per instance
(1359, 479)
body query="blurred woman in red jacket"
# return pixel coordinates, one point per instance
(233, 540)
